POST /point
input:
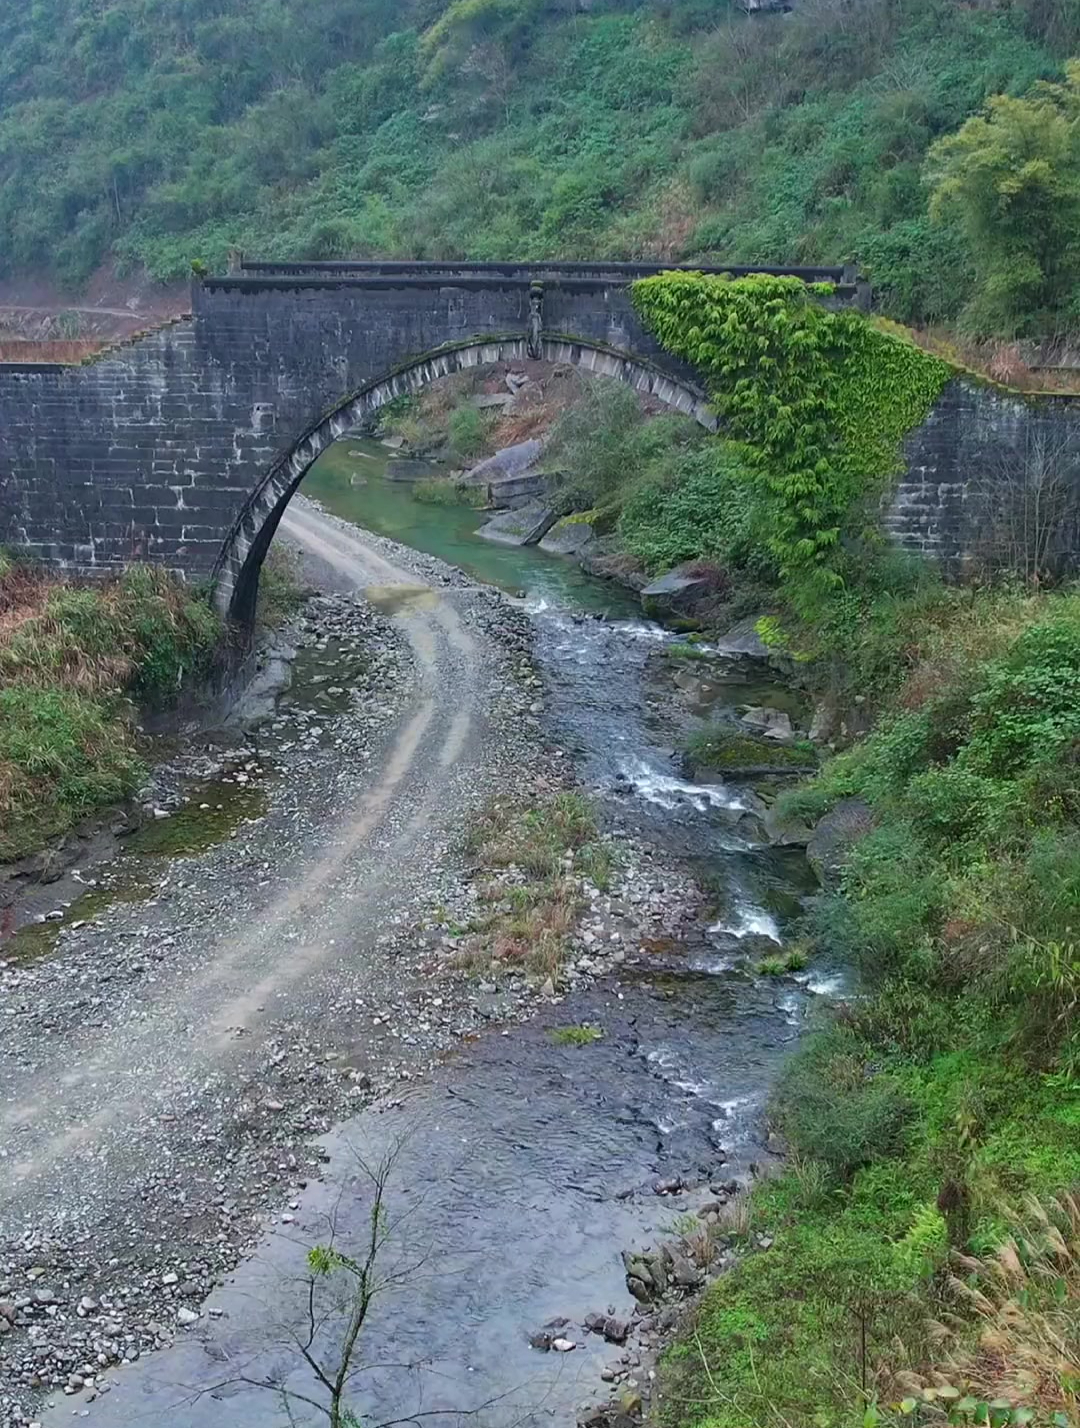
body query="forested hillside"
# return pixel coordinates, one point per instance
(155, 132)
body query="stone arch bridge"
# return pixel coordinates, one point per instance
(184, 445)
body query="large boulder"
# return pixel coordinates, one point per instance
(510, 461)
(600, 560)
(568, 537)
(743, 639)
(770, 723)
(517, 490)
(676, 593)
(834, 837)
(525, 526)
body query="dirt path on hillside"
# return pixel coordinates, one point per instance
(162, 1073)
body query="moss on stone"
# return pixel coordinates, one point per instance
(726, 751)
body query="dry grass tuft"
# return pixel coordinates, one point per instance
(540, 859)
(63, 350)
(1025, 1300)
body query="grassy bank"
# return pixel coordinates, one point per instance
(928, 1118)
(934, 1123)
(75, 662)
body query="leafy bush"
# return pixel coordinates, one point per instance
(700, 507)
(1011, 180)
(1029, 707)
(602, 446)
(467, 432)
(953, 805)
(834, 1107)
(896, 898)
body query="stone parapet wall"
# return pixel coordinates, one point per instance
(984, 460)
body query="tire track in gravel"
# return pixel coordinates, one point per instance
(85, 1107)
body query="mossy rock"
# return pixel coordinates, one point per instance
(727, 751)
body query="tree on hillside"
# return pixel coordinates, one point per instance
(1010, 180)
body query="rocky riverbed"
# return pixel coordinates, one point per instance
(170, 1059)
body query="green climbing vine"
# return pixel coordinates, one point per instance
(819, 399)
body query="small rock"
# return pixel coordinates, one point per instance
(563, 1346)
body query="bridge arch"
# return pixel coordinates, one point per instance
(236, 571)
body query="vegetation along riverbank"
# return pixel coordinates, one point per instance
(918, 1253)
(76, 663)
(682, 130)
(921, 1245)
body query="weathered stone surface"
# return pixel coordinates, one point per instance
(510, 461)
(743, 639)
(675, 593)
(568, 537)
(772, 723)
(972, 457)
(525, 526)
(515, 491)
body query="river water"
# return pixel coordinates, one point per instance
(526, 1167)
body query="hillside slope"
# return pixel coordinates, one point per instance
(155, 132)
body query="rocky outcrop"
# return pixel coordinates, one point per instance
(510, 461)
(679, 592)
(608, 564)
(834, 837)
(525, 526)
(743, 639)
(517, 490)
(769, 723)
(569, 537)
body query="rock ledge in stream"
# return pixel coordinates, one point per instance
(524, 526)
(679, 592)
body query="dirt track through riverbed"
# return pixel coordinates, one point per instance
(142, 1112)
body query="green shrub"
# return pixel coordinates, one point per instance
(700, 508)
(835, 1107)
(602, 449)
(1029, 706)
(952, 805)
(896, 897)
(467, 433)
(1047, 889)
